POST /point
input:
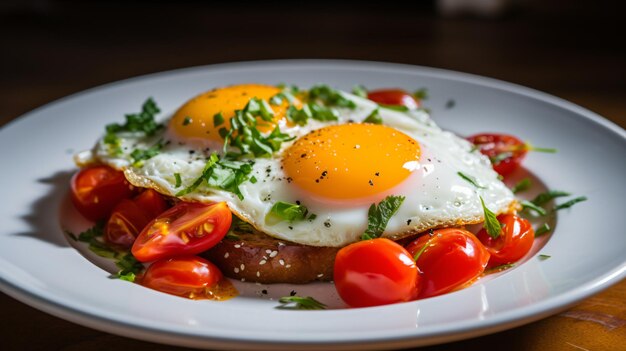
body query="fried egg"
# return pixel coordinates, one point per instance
(337, 169)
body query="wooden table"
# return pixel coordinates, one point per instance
(54, 48)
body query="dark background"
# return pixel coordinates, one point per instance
(50, 49)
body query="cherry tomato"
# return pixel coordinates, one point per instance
(449, 259)
(514, 242)
(506, 152)
(151, 202)
(395, 97)
(375, 272)
(186, 229)
(186, 276)
(96, 190)
(129, 217)
(126, 221)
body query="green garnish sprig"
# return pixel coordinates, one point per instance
(374, 117)
(492, 225)
(222, 174)
(300, 303)
(143, 122)
(379, 215)
(286, 211)
(470, 180)
(124, 260)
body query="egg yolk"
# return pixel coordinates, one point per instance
(194, 120)
(351, 161)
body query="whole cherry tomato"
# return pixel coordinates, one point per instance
(187, 276)
(375, 272)
(129, 217)
(186, 229)
(394, 97)
(506, 152)
(448, 259)
(96, 190)
(514, 242)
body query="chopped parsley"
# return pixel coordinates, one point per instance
(285, 211)
(379, 215)
(522, 185)
(139, 155)
(499, 268)
(143, 122)
(218, 119)
(493, 227)
(300, 303)
(548, 196)
(544, 257)
(222, 174)
(421, 94)
(570, 203)
(124, 260)
(471, 180)
(527, 205)
(374, 117)
(186, 121)
(544, 229)
(178, 180)
(360, 91)
(330, 97)
(400, 108)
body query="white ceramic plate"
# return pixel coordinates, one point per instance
(38, 267)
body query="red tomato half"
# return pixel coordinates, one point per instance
(506, 152)
(96, 190)
(514, 242)
(186, 229)
(129, 217)
(394, 97)
(449, 259)
(375, 272)
(182, 276)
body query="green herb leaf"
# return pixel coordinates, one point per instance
(128, 264)
(330, 97)
(379, 215)
(218, 119)
(545, 228)
(139, 122)
(493, 227)
(129, 277)
(186, 121)
(139, 155)
(360, 91)
(527, 205)
(499, 268)
(422, 249)
(421, 94)
(544, 257)
(179, 181)
(374, 118)
(570, 203)
(470, 179)
(522, 185)
(285, 211)
(548, 196)
(300, 303)
(322, 113)
(400, 108)
(500, 157)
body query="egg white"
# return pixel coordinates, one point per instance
(435, 194)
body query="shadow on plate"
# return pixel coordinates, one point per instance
(44, 215)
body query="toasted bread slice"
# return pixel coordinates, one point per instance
(256, 257)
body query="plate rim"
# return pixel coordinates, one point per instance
(539, 310)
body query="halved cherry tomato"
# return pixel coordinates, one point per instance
(375, 272)
(151, 202)
(506, 152)
(514, 242)
(394, 97)
(186, 276)
(96, 190)
(448, 259)
(186, 229)
(129, 217)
